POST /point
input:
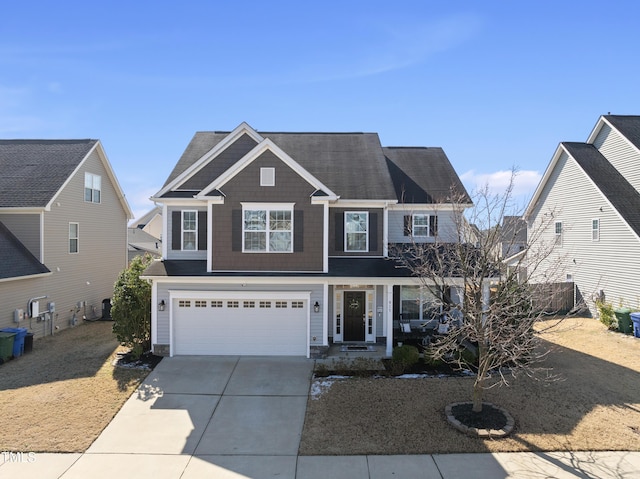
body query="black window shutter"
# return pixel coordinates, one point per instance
(176, 230)
(202, 230)
(339, 229)
(433, 225)
(298, 231)
(236, 230)
(373, 231)
(407, 225)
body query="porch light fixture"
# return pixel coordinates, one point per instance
(161, 305)
(316, 307)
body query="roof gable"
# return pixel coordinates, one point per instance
(614, 187)
(627, 125)
(16, 260)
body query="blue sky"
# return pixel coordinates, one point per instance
(497, 84)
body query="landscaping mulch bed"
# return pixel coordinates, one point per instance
(489, 418)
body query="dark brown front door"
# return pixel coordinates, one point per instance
(354, 309)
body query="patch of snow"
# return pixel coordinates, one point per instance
(320, 386)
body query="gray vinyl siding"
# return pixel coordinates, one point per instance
(25, 227)
(624, 157)
(315, 330)
(447, 231)
(177, 253)
(610, 264)
(88, 275)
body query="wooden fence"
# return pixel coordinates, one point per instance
(554, 297)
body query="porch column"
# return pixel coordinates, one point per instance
(389, 319)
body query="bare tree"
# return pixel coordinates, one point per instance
(497, 305)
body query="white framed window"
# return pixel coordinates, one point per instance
(558, 233)
(417, 303)
(420, 225)
(356, 231)
(267, 177)
(74, 237)
(92, 188)
(189, 230)
(267, 228)
(595, 230)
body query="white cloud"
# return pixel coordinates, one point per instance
(524, 184)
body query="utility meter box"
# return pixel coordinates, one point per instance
(18, 315)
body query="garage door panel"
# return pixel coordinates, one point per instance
(239, 330)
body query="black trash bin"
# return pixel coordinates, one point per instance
(28, 343)
(106, 309)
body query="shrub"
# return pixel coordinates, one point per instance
(131, 307)
(607, 317)
(406, 355)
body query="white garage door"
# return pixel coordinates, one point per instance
(234, 325)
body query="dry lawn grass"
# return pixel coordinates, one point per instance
(59, 397)
(595, 405)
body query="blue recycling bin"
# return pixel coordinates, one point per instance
(18, 340)
(635, 318)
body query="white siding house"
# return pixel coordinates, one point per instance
(590, 193)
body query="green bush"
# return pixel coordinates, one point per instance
(131, 307)
(406, 355)
(607, 317)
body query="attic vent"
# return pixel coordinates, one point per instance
(267, 176)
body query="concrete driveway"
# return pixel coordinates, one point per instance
(240, 414)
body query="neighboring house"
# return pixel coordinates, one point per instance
(590, 193)
(141, 243)
(513, 235)
(278, 243)
(145, 234)
(63, 232)
(150, 222)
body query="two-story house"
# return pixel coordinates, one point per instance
(63, 233)
(278, 243)
(590, 195)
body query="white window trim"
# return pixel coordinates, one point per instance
(595, 232)
(92, 177)
(413, 225)
(77, 238)
(267, 176)
(267, 208)
(558, 236)
(183, 231)
(346, 243)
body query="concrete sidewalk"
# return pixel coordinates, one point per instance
(237, 417)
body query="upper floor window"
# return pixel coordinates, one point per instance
(74, 237)
(92, 186)
(267, 229)
(558, 233)
(595, 230)
(356, 231)
(189, 230)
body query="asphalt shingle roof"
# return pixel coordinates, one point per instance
(15, 259)
(352, 165)
(32, 171)
(423, 175)
(629, 126)
(615, 187)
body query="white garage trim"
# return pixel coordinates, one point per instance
(239, 295)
